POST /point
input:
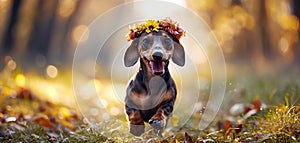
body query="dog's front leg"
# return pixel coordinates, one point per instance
(137, 126)
(159, 120)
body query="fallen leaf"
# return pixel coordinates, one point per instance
(188, 138)
(227, 125)
(34, 136)
(256, 104)
(1, 115)
(237, 109)
(238, 128)
(250, 113)
(43, 120)
(16, 126)
(10, 119)
(42, 108)
(25, 94)
(208, 140)
(52, 134)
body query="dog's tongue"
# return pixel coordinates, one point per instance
(157, 67)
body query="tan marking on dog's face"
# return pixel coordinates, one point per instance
(164, 34)
(148, 68)
(156, 43)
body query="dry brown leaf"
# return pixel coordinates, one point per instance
(43, 120)
(1, 115)
(188, 138)
(256, 104)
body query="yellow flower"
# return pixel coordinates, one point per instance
(134, 27)
(154, 26)
(151, 25)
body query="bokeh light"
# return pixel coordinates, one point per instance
(20, 80)
(51, 71)
(11, 64)
(66, 7)
(77, 33)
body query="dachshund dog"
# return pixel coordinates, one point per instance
(151, 94)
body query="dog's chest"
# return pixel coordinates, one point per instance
(156, 93)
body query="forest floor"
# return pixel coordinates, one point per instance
(269, 112)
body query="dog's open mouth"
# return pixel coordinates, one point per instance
(157, 67)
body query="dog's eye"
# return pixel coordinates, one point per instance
(168, 43)
(146, 41)
(145, 44)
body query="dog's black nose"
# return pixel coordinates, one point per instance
(157, 56)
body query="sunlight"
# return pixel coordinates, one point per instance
(179, 2)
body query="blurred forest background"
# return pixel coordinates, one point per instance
(262, 35)
(38, 38)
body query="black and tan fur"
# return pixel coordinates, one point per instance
(152, 93)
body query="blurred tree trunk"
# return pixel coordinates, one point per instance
(262, 22)
(258, 39)
(236, 2)
(296, 7)
(39, 41)
(9, 34)
(296, 10)
(62, 40)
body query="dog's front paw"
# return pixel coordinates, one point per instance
(137, 130)
(157, 124)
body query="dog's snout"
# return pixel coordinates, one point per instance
(157, 56)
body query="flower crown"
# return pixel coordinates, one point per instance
(154, 26)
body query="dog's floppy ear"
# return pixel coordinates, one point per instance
(131, 55)
(178, 54)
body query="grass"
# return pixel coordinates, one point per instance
(279, 124)
(24, 117)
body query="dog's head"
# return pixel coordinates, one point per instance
(155, 49)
